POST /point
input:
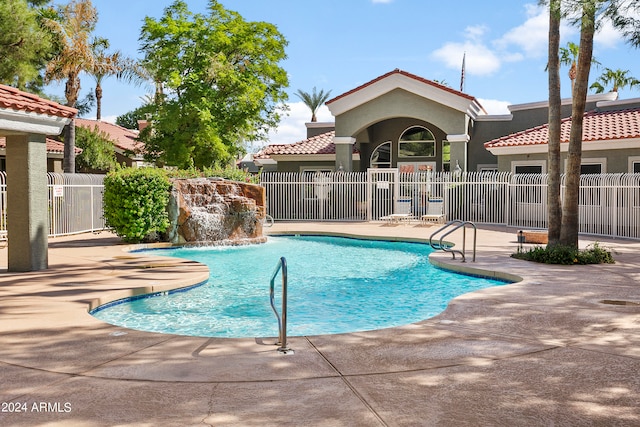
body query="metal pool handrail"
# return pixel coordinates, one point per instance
(456, 224)
(282, 321)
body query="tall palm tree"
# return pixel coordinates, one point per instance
(620, 79)
(73, 26)
(110, 64)
(555, 101)
(313, 100)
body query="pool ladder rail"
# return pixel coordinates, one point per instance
(282, 320)
(450, 227)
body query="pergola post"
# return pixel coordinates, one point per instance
(27, 201)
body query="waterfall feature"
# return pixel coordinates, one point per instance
(216, 210)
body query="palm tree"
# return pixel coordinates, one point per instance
(555, 101)
(74, 24)
(569, 56)
(313, 100)
(620, 79)
(110, 64)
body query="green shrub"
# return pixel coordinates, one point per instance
(135, 202)
(593, 254)
(230, 173)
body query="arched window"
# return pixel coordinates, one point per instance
(381, 156)
(417, 141)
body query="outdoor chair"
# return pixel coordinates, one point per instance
(435, 212)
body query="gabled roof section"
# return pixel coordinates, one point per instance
(123, 138)
(14, 99)
(398, 79)
(598, 126)
(319, 144)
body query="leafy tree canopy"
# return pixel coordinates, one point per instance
(25, 45)
(98, 151)
(219, 84)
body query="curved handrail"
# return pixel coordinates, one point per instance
(456, 224)
(282, 321)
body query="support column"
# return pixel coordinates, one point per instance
(27, 202)
(344, 152)
(458, 145)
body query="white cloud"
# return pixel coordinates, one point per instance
(479, 59)
(494, 106)
(292, 128)
(531, 36)
(381, 1)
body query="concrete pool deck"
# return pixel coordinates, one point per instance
(561, 347)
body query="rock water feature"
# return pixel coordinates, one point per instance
(214, 210)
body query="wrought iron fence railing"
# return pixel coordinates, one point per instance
(75, 204)
(609, 203)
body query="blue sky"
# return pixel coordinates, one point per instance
(338, 45)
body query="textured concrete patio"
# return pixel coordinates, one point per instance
(561, 348)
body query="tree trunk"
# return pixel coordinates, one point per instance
(553, 192)
(570, 212)
(69, 160)
(71, 91)
(98, 101)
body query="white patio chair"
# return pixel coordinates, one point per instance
(435, 212)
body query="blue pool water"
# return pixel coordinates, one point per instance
(336, 285)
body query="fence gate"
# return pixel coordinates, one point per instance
(383, 190)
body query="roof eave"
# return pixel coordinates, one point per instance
(13, 122)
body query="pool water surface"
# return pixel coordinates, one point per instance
(335, 285)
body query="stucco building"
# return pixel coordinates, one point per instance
(400, 120)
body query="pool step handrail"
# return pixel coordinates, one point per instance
(282, 321)
(452, 226)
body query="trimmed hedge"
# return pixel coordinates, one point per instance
(135, 202)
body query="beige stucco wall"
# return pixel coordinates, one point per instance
(400, 103)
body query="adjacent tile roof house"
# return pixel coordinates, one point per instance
(610, 141)
(128, 148)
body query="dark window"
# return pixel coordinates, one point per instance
(586, 169)
(528, 169)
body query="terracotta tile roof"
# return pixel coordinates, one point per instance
(319, 144)
(406, 74)
(53, 146)
(15, 99)
(123, 138)
(597, 126)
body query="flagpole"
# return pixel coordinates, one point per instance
(464, 55)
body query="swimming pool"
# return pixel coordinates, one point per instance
(336, 285)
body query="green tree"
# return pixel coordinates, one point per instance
(618, 79)
(313, 100)
(130, 120)
(24, 44)
(73, 27)
(98, 153)
(218, 82)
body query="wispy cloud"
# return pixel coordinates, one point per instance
(381, 1)
(292, 128)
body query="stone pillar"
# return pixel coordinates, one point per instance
(27, 202)
(458, 144)
(344, 152)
